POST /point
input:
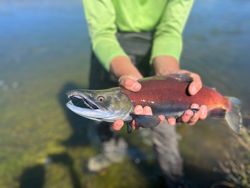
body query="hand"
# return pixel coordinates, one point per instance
(131, 83)
(165, 65)
(189, 116)
(128, 75)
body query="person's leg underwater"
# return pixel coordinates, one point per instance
(165, 140)
(113, 147)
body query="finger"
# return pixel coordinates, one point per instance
(171, 121)
(134, 125)
(195, 118)
(147, 110)
(162, 118)
(117, 125)
(130, 83)
(138, 109)
(187, 115)
(195, 106)
(195, 85)
(196, 115)
(203, 110)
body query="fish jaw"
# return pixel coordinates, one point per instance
(115, 105)
(96, 114)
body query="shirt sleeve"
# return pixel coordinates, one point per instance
(100, 16)
(168, 34)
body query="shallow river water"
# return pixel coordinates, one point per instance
(44, 51)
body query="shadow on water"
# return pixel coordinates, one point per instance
(35, 176)
(200, 178)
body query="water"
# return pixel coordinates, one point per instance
(45, 50)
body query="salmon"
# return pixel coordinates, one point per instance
(166, 96)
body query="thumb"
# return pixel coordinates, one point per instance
(130, 83)
(195, 85)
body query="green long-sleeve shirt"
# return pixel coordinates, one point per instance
(166, 18)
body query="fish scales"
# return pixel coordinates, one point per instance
(173, 93)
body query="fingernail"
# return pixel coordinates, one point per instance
(189, 112)
(196, 106)
(194, 90)
(161, 117)
(202, 113)
(138, 110)
(136, 87)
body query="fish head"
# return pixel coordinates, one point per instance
(100, 105)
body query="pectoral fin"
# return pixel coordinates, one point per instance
(146, 121)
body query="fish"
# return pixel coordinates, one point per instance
(166, 95)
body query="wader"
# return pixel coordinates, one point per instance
(164, 137)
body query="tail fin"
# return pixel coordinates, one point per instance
(233, 117)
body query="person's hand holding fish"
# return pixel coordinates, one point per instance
(130, 82)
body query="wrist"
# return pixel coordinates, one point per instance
(122, 65)
(164, 65)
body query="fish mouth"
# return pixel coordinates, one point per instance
(82, 100)
(81, 104)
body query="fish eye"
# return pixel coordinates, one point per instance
(100, 98)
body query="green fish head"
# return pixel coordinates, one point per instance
(101, 105)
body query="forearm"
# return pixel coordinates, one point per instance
(168, 34)
(100, 17)
(122, 65)
(164, 65)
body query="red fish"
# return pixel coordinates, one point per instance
(166, 96)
